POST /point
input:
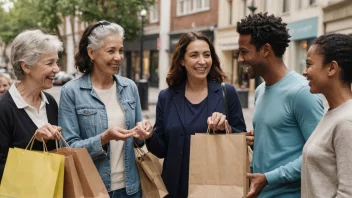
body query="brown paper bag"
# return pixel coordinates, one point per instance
(218, 166)
(91, 182)
(149, 169)
(149, 190)
(72, 185)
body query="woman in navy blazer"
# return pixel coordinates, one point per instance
(192, 103)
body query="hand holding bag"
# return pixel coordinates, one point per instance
(32, 174)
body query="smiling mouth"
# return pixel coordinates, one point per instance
(114, 65)
(200, 69)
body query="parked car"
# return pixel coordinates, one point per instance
(3, 69)
(62, 77)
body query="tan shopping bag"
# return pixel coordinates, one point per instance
(72, 184)
(218, 166)
(149, 169)
(91, 182)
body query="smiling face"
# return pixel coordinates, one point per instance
(44, 71)
(4, 85)
(249, 57)
(197, 60)
(108, 58)
(315, 72)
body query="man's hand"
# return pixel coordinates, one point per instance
(250, 137)
(258, 182)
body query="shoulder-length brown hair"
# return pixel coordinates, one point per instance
(177, 73)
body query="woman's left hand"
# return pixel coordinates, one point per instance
(218, 122)
(143, 130)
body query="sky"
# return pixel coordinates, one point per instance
(7, 5)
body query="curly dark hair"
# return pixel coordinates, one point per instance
(266, 29)
(177, 73)
(336, 47)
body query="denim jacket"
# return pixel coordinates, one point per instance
(83, 118)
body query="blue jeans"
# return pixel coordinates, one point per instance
(121, 193)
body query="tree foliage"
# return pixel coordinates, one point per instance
(125, 13)
(48, 15)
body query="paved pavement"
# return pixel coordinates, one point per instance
(153, 98)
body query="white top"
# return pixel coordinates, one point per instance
(327, 156)
(38, 117)
(116, 117)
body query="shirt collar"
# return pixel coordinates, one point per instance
(18, 99)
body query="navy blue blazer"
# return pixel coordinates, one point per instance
(168, 138)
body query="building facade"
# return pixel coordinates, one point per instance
(338, 17)
(304, 19)
(150, 39)
(226, 39)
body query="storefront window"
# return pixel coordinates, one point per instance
(302, 49)
(242, 76)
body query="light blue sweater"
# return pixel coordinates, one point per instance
(285, 115)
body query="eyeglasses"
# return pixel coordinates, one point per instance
(100, 23)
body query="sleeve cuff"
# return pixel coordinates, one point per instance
(273, 177)
(97, 147)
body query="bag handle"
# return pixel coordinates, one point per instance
(226, 129)
(138, 149)
(224, 96)
(31, 143)
(62, 139)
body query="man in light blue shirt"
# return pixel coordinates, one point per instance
(286, 113)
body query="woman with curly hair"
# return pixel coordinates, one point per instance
(327, 156)
(192, 103)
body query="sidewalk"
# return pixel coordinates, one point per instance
(153, 98)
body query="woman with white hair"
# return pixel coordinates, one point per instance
(5, 83)
(98, 110)
(26, 109)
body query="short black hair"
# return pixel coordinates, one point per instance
(336, 47)
(266, 29)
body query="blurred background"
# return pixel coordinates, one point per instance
(153, 27)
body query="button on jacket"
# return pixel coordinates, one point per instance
(83, 117)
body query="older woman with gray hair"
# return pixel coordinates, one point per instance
(26, 109)
(99, 110)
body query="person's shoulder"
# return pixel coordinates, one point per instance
(72, 84)
(298, 80)
(6, 102)
(6, 98)
(167, 92)
(124, 80)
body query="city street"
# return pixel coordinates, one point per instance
(153, 97)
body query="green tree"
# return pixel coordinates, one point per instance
(20, 17)
(122, 12)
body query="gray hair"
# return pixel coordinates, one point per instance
(96, 38)
(28, 46)
(6, 77)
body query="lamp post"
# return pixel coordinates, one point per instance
(253, 8)
(143, 13)
(142, 83)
